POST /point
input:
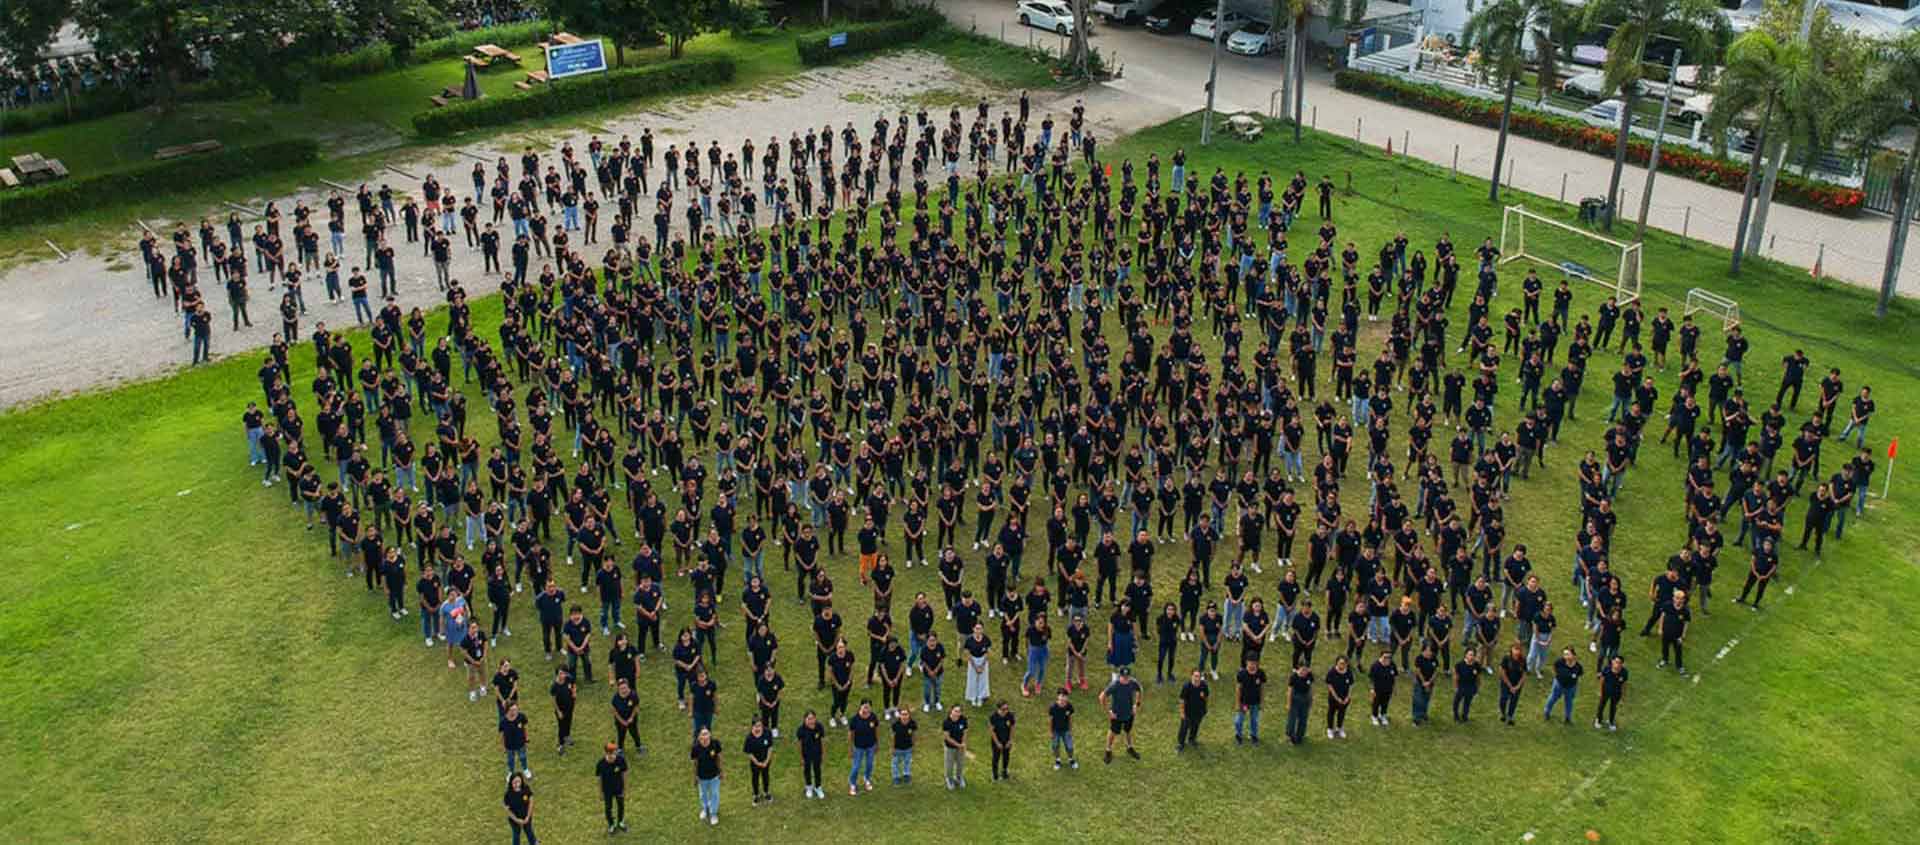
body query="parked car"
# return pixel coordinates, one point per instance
(1604, 113)
(1696, 107)
(1591, 85)
(1254, 39)
(1050, 15)
(1125, 11)
(1175, 16)
(1203, 24)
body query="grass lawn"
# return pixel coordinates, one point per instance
(183, 665)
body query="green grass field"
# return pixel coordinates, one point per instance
(183, 663)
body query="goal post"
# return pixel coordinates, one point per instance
(1573, 251)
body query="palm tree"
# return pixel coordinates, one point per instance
(1885, 104)
(1637, 22)
(1764, 72)
(1554, 25)
(1804, 125)
(1499, 32)
(1292, 81)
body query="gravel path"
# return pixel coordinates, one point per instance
(92, 321)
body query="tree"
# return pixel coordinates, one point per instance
(1636, 23)
(1078, 55)
(1762, 72)
(681, 20)
(1553, 25)
(1499, 32)
(1805, 123)
(1883, 106)
(626, 23)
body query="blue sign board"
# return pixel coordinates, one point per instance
(564, 60)
(838, 39)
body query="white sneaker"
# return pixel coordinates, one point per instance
(703, 815)
(713, 819)
(776, 733)
(527, 773)
(472, 696)
(429, 642)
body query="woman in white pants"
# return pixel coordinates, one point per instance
(979, 650)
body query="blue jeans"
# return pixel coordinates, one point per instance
(1235, 611)
(609, 610)
(1036, 666)
(1422, 697)
(255, 454)
(1250, 718)
(516, 754)
(1561, 693)
(930, 690)
(902, 765)
(1860, 440)
(1062, 739)
(709, 796)
(862, 767)
(429, 623)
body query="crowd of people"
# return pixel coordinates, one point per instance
(981, 331)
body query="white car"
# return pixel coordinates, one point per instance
(1203, 25)
(1254, 39)
(1589, 85)
(1604, 113)
(1696, 107)
(1125, 11)
(1048, 15)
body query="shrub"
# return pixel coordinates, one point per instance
(150, 179)
(576, 94)
(1580, 135)
(867, 37)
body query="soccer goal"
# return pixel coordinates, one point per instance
(1701, 299)
(1574, 251)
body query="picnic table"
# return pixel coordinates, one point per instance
(32, 168)
(186, 149)
(492, 52)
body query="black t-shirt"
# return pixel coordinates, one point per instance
(812, 739)
(903, 733)
(1002, 725)
(1251, 685)
(956, 729)
(1194, 696)
(1060, 716)
(864, 730)
(612, 774)
(513, 729)
(758, 747)
(518, 803)
(706, 760)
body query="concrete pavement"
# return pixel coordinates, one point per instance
(1168, 73)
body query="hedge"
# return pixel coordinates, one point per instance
(867, 37)
(570, 95)
(152, 179)
(1580, 135)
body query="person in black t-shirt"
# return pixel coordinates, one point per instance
(706, 775)
(1613, 682)
(812, 739)
(1000, 737)
(758, 747)
(904, 728)
(519, 803)
(577, 642)
(1193, 708)
(612, 772)
(1299, 702)
(863, 740)
(1674, 620)
(626, 716)
(1060, 729)
(565, 694)
(954, 739)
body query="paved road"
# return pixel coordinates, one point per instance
(1170, 71)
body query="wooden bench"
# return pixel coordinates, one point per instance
(523, 86)
(186, 149)
(58, 169)
(494, 51)
(437, 101)
(450, 92)
(566, 38)
(538, 77)
(7, 179)
(478, 62)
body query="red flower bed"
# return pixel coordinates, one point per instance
(1580, 135)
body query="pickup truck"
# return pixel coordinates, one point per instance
(1125, 11)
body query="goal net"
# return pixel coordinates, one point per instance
(1573, 251)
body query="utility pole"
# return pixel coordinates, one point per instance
(1213, 72)
(1653, 158)
(1779, 154)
